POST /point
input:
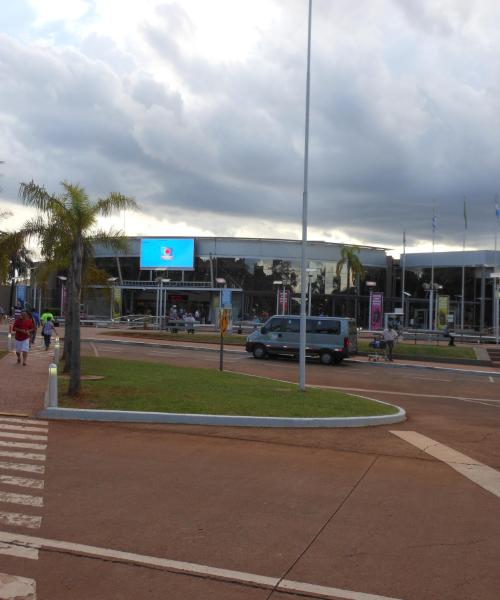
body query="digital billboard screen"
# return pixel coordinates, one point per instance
(167, 253)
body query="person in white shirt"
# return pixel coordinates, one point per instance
(389, 343)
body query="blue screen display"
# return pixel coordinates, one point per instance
(167, 253)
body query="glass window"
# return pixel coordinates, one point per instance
(327, 327)
(274, 325)
(292, 325)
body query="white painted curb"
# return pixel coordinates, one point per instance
(121, 416)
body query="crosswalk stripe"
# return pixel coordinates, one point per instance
(20, 520)
(24, 445)
(10, 466)
(22, 481)
(6, 419)
(24, 499)
(23, 428)
(18, 552)
(23, 436)
(22, 455)
(13, 587)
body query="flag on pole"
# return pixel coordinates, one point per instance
(434, 219)
(497, 210)
(465, 213)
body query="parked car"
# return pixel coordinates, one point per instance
(330, 338)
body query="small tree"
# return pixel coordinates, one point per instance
(66, 229)
(349, 258)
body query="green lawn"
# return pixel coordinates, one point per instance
(208, 338)
(402, 349)
(2, 354)
(143, 386)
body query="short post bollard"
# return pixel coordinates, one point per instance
(9, 342)
(57, 350)
(53, 385)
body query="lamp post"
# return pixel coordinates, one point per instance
(278, 283)
(111, 282)
(496, 305)
(371, 285)
(62, 279)
(310, 272)
(222, 283)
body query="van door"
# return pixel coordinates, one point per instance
(274, 334)
(353, 337)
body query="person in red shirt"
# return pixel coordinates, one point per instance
(22, 328)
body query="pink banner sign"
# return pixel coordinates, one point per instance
(377, 311)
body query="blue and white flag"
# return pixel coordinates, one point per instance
(497, 211)
(434, 220)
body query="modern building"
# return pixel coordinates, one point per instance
(258, 277)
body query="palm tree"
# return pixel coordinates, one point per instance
(15, 258)
(66, 229)
(349, 258)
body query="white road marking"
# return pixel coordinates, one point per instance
(412, 394)
(22, 467)
(5, 419)
(22, 455)
(273, 583)
(93, 346)
(23, 445)
(18, 552)
(22, 481)
(427, 378)
(484, 476)
(164, 353)
(23, 428)
(23, 436)
(20, 520)
(491, 379)
(13, 587)
(24, 499)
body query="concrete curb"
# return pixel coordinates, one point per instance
(119, 416)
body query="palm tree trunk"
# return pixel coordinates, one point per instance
(76, 285)
(68, 318)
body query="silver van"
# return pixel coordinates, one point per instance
(330, 338)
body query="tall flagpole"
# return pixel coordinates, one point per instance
(495, 280)
(462, 306)
(431, 292)
(403, 269)
(303, 274)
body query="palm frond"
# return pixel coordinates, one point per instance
(114, 203)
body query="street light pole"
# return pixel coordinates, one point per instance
(302, 347)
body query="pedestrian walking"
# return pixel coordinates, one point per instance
(2, 313)
(22, 328)
(48, 330)
(389, 337)
(45, 315)
(36, 321)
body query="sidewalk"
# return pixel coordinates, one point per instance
(22, 389)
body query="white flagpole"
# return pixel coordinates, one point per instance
(303, 274)
(462, 307)
(431, 292)
(403, 269)
(495, 281)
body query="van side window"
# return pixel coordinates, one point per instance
(311, 326)
(292, 326)
(274, 325)
(328, 327)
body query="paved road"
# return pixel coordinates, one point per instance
(362, 511)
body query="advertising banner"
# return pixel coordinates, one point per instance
(283, 298)
(443, 310)
(167, 253)
(377, 311)
(117, 302)
(226, 298)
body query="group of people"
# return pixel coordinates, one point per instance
(25, 328)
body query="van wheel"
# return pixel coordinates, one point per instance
(259, 351)
(326, 358)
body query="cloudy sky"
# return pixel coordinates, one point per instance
(196, 109)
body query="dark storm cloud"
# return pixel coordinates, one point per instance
(401, 118)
